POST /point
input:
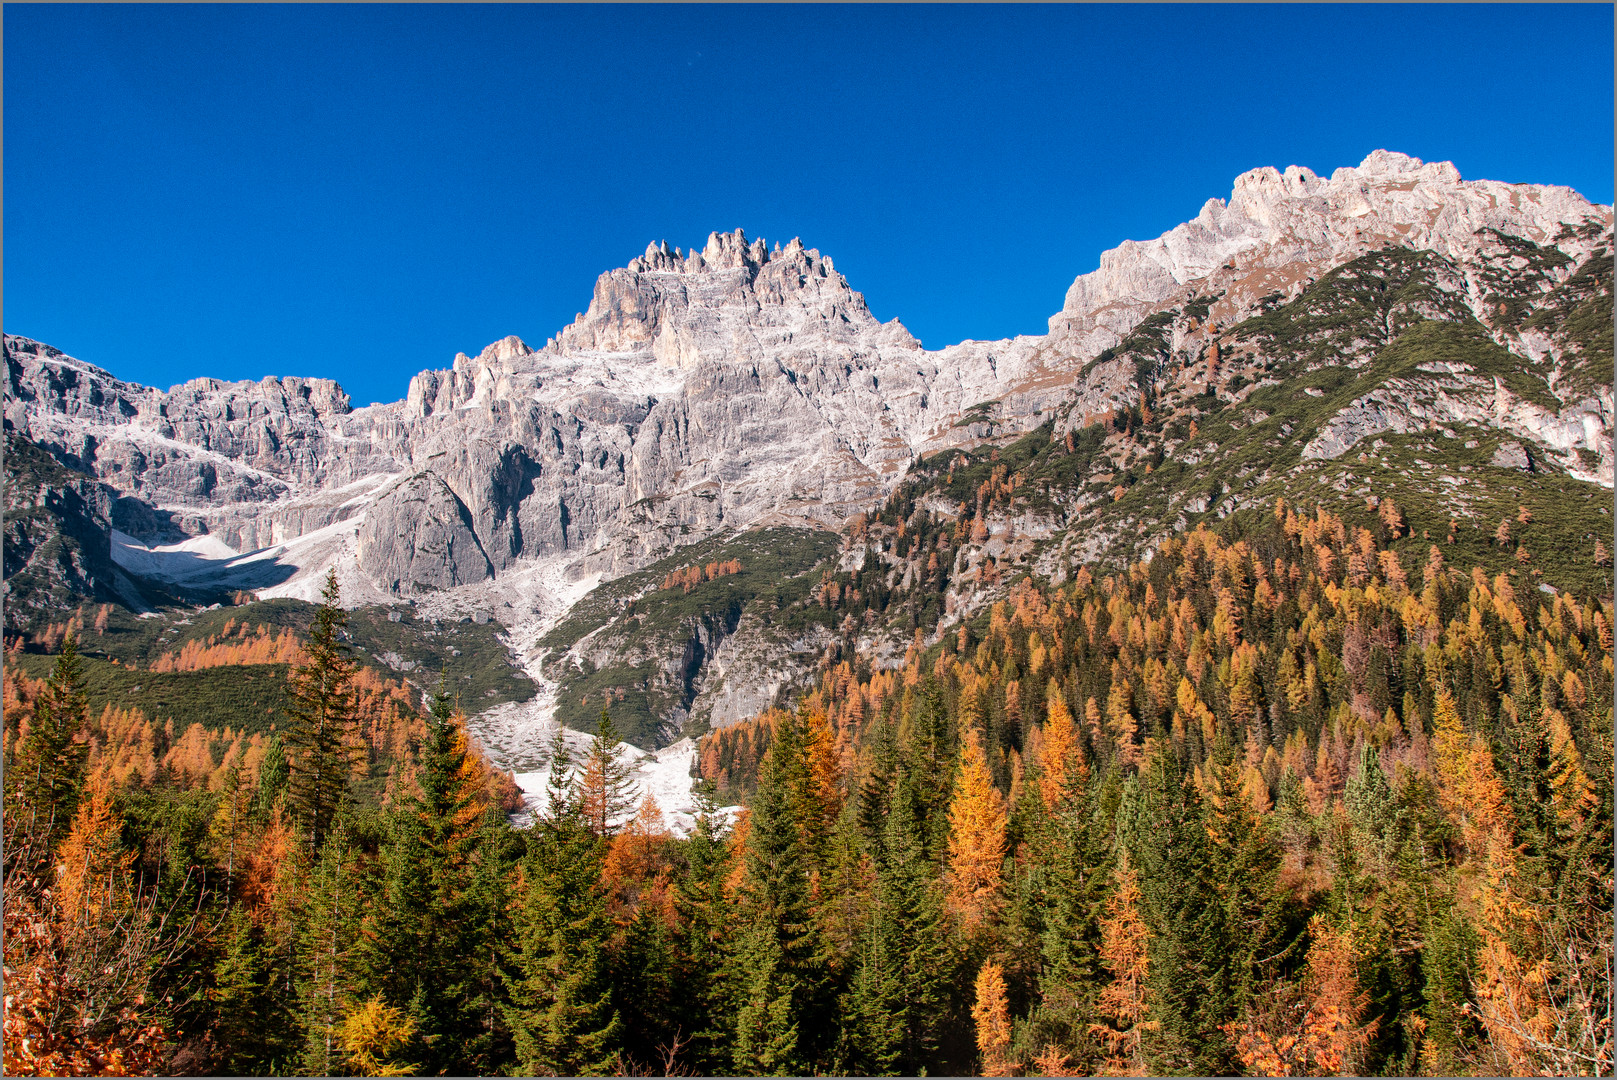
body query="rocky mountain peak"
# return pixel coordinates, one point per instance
(1277, 227)
(727, 299)
(1384, 163)
(724, 251)
(507, 350)
(747, 382)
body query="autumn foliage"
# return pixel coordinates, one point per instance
(689, 577)
(1300, 798)
(231, 647)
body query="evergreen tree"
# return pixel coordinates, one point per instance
(876, 794)
(273, 774)
(701, 1008)
(560, 1010)
(929, 760)
(897, 1010)
(1188, 992)
(1077, 886)
(422, 947)
(644, 989)
(781, 1026)
(230, 820)
(604, 790)
(328, 936)
(560, 790)
(247, 1016)
(1447, 961)
(1371, 809)
(50, 763)
(484, 1039)
(319, 721)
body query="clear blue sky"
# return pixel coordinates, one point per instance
(359, 192)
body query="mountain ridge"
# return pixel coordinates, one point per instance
(742, 386)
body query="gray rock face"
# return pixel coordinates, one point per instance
(1510, 455)
(205, 456)
(417, 537)
(57, 537)
(1446, 399)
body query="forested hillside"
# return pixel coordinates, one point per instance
(1298, 797)
(1291, 803)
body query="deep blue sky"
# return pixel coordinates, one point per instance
(359, 192)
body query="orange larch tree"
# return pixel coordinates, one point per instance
(1060, 754)
(977, 827)
(1123, 951)
(991, 1013)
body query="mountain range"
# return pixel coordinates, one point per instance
(711, 485)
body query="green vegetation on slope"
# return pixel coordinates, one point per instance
(478, 666)
(652, 638)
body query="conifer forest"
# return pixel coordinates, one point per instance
(1298, 797)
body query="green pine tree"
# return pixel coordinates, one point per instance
(929, 752)
(560, 1008)
(230, 820)
(560, 787)
(781, 1015)
(328, 936)
(1188, 993)
(767, 1007)
(1371, 809)
(320, 717)
(250, 1021)
(644, 987)
(1078, 878)
(1449, 957)
(272, 778)
(898, 1009)
(605, 793)
(486, 1038)
(422, 946)
(705, 917)
(50, 763)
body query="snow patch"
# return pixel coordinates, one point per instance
(171, 562)
(665, 775)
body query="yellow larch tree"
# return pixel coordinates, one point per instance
(1123, 951)
(1322, 1031)
(992, 1015)
(636, 871)
(1061, 756)
(371, 1033)
(977, 828)
(1120, 718)
(92, 878)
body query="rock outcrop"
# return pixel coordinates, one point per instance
(57, 536)
(417, 537)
